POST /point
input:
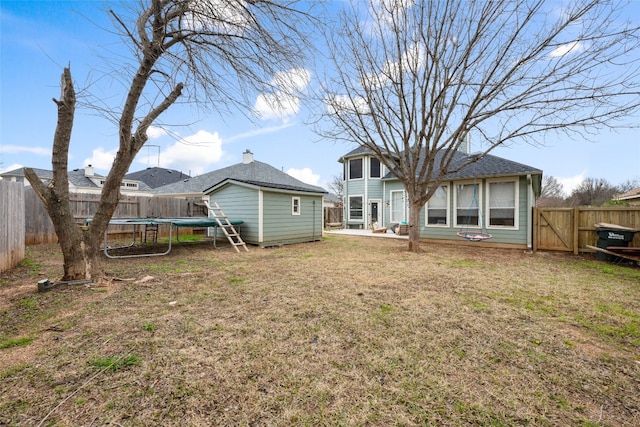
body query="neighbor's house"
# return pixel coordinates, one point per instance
(275, 207)
(631, 197)
(82, 181)
(493, 195)
(156, 177)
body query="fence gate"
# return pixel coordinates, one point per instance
(554, 229)
(572, 229)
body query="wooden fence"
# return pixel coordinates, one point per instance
(39, 228)
(333, 217)
(571, 229)
(11, 224)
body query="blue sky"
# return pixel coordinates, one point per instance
(39, 38)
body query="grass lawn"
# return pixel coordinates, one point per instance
(349, 331)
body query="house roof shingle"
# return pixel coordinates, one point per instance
(487, 166)
(77, 178)
(157, 177)
(255, 172)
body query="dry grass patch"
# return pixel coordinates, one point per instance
(348, 331)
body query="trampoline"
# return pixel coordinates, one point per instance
(190, 222)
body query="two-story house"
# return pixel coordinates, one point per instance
(492, 195)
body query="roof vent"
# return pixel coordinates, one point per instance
(247, 157)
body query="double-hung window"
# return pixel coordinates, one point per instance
(397, 206)
(355, 208)
(503, 196)
(295, 206)
(437, 209)
(375, 169)
(467, 198)
(355, 168)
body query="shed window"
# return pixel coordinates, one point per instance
(295, 206)
(355, 169)
(355, 207)
(375, 171)
(502, 203)
(438, 207)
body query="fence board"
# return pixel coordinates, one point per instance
(39, 227)
(572, 229)
(332, 216)
(12, 226)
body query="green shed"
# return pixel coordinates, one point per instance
(275, 208)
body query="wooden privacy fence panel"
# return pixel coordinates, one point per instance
(572, 229)
(11, 224)
(332, 216)
(39, 228)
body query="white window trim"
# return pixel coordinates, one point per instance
(364, 169)
(516, 213)
(349, 208)
(448, 208)
(483, 218)
(392, 219)
(293, 205)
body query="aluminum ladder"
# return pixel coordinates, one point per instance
(225, 225)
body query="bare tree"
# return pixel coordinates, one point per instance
(551, 194)
(592, 192)
(413, 79)
(216, 52)
(628, 185)
(336, 186)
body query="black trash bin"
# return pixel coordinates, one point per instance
(612, 236)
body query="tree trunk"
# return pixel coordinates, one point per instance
(80, 250)
(414, 223)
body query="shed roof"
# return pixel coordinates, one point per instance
(254, 172)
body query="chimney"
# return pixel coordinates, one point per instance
(88, 171)
(247, 157)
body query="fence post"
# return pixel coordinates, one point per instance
(576, 230)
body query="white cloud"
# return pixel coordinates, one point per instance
(11, 167)
(218, 16)
(345, 104)
(565, 49)
(101, 158)
(195, 154)
(305, 175)
(17, 149)
(257, 132)
(570, 183)
(279, 105)
(282, 103)
(154, 132)
(293, 79)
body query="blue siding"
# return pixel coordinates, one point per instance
(240, 203)
(281, 226)
(517, 236)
